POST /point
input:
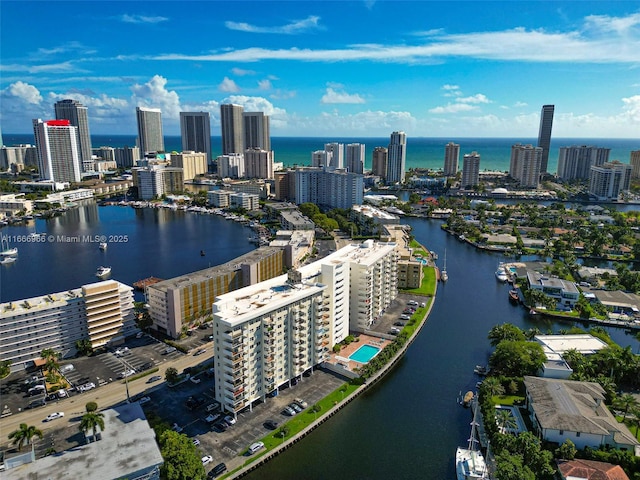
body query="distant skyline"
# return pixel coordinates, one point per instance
(366, 69)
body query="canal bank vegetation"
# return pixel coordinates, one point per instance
(524, 456)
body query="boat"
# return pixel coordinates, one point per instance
(470, 464)
(8, 260)
(5, 250)
(481, 370)
(202, 254)
(513, 296)
(501, 274)
(467, 399)
(103, 272)
(102, 246)
(443, 274)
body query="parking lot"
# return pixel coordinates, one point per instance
(393, 312)
(138, 354)
(169, 403)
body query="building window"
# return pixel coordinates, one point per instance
(561, 432)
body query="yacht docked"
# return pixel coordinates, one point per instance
(470, 464)
(102, 246)
(501, 273)
(5, 250)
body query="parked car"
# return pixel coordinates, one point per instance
(195, 441)
(254, 447)
(41, 402)
(195, 380)
(213, 406)
(144, 400)
(169, 350)
(422, 305)
(289, 411)
(217, 470)
(295, 407)
(207, 459)
(53, 416)
(220, 427)
(301, 402)
(399, 324)
(413, 303)
(67, 368)
(212, 418)
(37, 390)
(62, 393)
(86, 387)
(139, 334)
(270, 424)
(230, 420)
(127, 373)
(200, 351)
(155, 378)
(405, 317)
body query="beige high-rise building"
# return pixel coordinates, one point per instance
(526, 162)
(379, 162)
(192, 164)
(470, 170)
(635, 163)
(451, 159)
(258, 163)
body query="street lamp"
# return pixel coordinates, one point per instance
(126, 378)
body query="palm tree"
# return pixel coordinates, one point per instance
(627, 402)
(91, 421)
(492, 387)
(24, 434)
(505, 421)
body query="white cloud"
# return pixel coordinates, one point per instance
(608, 24)
(228, 85)
(520, 104)
(240, 72)
(61, 67)
(153, 94)
(142, 18)
(264, 84)
(24, 91)
(477, 98)
(333, 96)
(297, 26)
(453, 108)
(631, 108)
(255, 104)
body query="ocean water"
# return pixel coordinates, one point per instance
(423, 152)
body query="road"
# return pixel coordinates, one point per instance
(105, 396)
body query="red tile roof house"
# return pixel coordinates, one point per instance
(590, 470)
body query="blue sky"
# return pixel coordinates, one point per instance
(430, 68)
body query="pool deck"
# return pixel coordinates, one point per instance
(346, 352)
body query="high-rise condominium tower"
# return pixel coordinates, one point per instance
(355, 157)
(396, 157)
(58, 152)
(337, 154)
(544, 134)
(634, 161)
(231, 128)
(256, 130)
(379, 162)
(77, 115)
(195, 129)
(470, 170)
(150, 135)
(451, 159)
(525, 164)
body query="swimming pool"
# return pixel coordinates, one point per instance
(364, 354)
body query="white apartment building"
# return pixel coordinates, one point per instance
(451, 159)
(11, 204)
(321, 158)
(18, 156)
(231, 165)
(258, 163)
(219, 198)
(609, 180)
(337, 154)
(470, 170)
(248, 201)
(271, 332)
(58, 151)
(355, 157)
(335, 188)
(101, 312)
(525, 165)
(575, 162)
(156, 180)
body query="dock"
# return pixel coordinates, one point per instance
(141, 285)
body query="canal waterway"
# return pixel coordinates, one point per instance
(407, 426)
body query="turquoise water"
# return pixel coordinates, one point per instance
(364, 353)
(422, 152)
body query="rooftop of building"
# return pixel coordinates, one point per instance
(212, 272)
(373, 212)
(127, 445)
(583, 343)
(301, 238)
(617, 298)
(51, 300)
(547, 281)
(580, 469)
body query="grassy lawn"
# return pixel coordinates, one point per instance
(418, 249)
(506, 399)
(428, 286)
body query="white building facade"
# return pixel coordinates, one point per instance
(58, 152)
(609, 180)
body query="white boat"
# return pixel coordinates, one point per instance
(8, 260)
(470, 464)
(5, 251)
(103, 246)
(501, 274)
(103, 272)
(443, 274)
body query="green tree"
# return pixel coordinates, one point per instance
(566, 451)
(181, 459)
(171, 375)
(506, 421)
(91, 421)
(626, 402)
(91, 407)
(309, 209)
(517, 359)
(506, 331)
(84, 346)
(511, 467)
(5, 368)
(492, 387)
(24, 434)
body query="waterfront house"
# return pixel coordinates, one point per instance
(555, 346)
(563, 410)
(590, 470)
(566, 293)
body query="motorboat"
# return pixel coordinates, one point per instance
(102, 246)
(470, 463)
(5, 250)
(103, 272)
(513, 296)
(501, 274)
(8, 260)
(443, 273)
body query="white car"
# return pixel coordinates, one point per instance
(86, 387)
(230, 420)
(207, 459)
(127, 373)
(254, 447)
(144, 400)
(53, 416)
(196, 442)
(62, 393)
